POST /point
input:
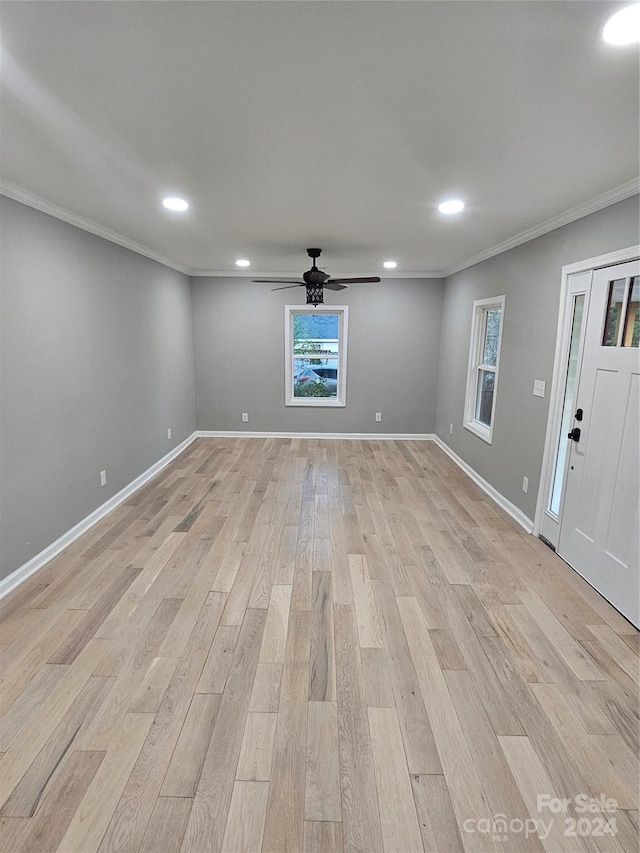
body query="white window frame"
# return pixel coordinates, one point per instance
(478, 326)
(340, 401)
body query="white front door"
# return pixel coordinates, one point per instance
(599, 525)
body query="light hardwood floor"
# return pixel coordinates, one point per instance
(291, 646)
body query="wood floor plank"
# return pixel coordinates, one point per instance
(130, 819)
(17, 671)
(245, 823)
(284, 825)
(588, 758)
(322, 782)
(265, 696)
(60, 804)
(73, 644)
(400, 831)
(322, 668)
(533, 780)
(206, 827)
(574, 654)
(184, 770)
(621, 653)
(148, 697)
(45, 718)
(467, 791)
(498, 783)
(303, 568)
(167, 825)
(219, 660)
(275, 629)
(256, 753)
(416, 727)
(497, 704)
(16, 624)
(138, 661)
(437, 820)
(447, 650)
(377, 681)
(90, 821)
(360, 817)
(26, 796)
(17, 716)
(240, 591)
(369, 631)
(322, 837)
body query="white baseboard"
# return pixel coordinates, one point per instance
(511, 509)
(27, 569)
(15, 578)
(368, 436)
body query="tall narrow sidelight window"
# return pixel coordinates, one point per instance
(568, 407)
(316, 355)
(484, 362)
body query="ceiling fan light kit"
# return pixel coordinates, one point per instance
(316, 280)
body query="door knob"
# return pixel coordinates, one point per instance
(574, 435)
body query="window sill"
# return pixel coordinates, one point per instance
(481, 430)
(316, 403)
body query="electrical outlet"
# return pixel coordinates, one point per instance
(450, 429)
(525, 484)
(169, 434)
(103, 478)
(378, 417)
(245, 417)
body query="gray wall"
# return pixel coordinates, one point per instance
(394, 339)
(96, 364)
(529, 276)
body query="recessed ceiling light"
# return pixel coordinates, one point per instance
(243, 262)
(390, 265)
(452, 206)
(624, 26)
(174, 203)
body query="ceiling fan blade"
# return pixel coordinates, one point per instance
(276, 281)
(351, 280)
(287, 287)
(332, 285)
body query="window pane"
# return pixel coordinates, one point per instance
(568, 406)
(614, 307)
(484, 396)
(316, 333)
(491, 336)
(315, 377)
(631, 337)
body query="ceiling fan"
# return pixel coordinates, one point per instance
(315, 281)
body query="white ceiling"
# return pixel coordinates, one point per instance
(336, 124)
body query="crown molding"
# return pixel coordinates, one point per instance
(296, 274)
(65, 215)
(619, 193)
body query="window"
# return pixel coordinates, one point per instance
(624, 301)
(568, 406)
(484, 361)
(316, 355)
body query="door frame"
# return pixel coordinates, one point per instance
(556, 395)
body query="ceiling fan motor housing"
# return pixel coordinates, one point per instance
(315, 276)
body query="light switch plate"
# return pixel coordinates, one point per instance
(538, 387)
